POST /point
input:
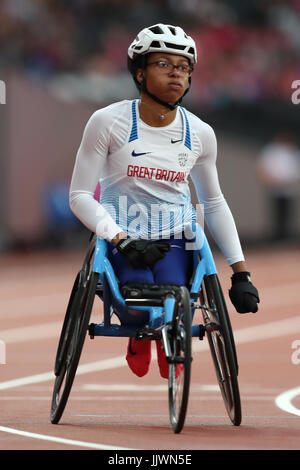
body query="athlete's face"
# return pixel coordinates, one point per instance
(166, 75)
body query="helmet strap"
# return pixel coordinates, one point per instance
(158, 100)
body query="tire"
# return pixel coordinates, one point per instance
(222, 347)
(180, 337)
(70, 318)
(229, 327)
(72, 339)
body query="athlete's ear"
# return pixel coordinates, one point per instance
(140, 75)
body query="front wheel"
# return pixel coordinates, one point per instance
(180, 337)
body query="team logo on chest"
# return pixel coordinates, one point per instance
(182, 159)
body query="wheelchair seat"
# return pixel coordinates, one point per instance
(135, 290)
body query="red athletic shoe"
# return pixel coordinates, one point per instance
(162, 362)
(138, 356)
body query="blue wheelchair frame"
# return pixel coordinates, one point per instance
(155, 317)
(160, 312)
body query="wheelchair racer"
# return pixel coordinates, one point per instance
(142, 153)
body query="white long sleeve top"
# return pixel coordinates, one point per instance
(143, 172)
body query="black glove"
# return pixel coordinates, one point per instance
(141, 254)
(243, 294)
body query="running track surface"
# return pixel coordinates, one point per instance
(109, 407)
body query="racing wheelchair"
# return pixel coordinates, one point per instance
(166, 314)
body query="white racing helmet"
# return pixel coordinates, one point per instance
(163, 38)
(160, 38)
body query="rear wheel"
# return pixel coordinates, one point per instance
(72, 339)
(222, 347)
(180, 337)
(70, 318)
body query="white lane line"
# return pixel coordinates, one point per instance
(106, 364)
(160, 398)
(260, 332)
(189, 417)
(126, 387)
(283, 401)
(61, 440)
(244, 335)
(269, 330)
(31, 379)
(31, 333)
(144, 388)
(253, 333)
(51, 330)
(84, 369)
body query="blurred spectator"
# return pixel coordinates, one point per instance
(279, 170)
(60, 221)
(248, 51)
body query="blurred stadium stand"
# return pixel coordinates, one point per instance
(62, 59)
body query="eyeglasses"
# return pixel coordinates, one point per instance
(167, 67)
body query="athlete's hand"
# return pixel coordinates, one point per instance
(141, 254)
(243, 294)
